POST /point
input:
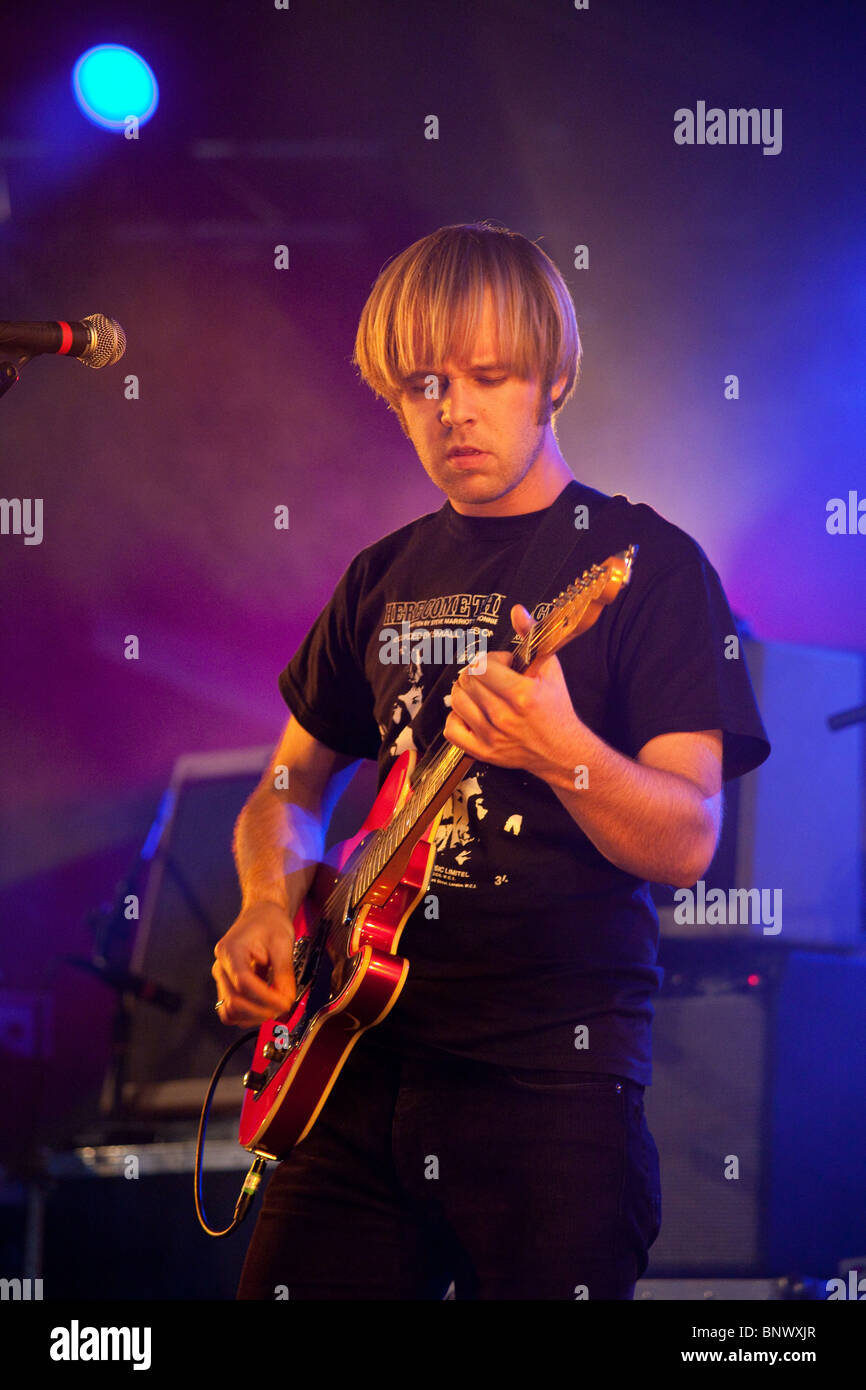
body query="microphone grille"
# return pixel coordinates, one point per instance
(109, 345)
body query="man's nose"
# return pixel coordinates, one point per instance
(458, 403)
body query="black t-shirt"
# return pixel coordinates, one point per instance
(535, 950)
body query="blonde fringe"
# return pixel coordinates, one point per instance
(427, 303)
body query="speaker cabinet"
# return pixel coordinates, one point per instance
(758, 1109)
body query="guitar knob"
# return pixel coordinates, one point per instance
(254, 1080)
(272, 1052)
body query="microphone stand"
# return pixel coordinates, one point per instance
(846, 717)
(111, 927)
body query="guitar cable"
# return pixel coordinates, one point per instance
(253, 1177)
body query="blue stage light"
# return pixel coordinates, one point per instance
(112, 83)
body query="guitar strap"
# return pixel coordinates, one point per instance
(532, 583)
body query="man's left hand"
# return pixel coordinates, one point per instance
(509, 718)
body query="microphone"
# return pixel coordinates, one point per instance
(96, 341)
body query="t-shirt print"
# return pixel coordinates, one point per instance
(458, 837)
(459, 831)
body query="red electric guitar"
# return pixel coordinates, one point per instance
(348, 927)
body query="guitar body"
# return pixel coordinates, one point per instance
(299, 1056)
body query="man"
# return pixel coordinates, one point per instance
(490, 1132)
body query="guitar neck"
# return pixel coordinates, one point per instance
(380, 871)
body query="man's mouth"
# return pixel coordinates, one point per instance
(464, 453)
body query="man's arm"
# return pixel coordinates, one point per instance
(657, 817)
(278, 842)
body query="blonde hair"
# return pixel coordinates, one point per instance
(427, 305)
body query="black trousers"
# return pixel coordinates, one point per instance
(426, 1170)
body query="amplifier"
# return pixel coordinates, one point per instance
(758, 1109)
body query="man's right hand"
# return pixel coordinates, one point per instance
(252, 967)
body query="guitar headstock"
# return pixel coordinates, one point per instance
(578, 607)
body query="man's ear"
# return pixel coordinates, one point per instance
(557, 388)
(546, 406)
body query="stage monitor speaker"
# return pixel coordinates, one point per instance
(106, 1238)
(758, 1109)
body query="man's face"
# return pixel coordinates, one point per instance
(480, 406)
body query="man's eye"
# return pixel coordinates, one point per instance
(419, 389)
